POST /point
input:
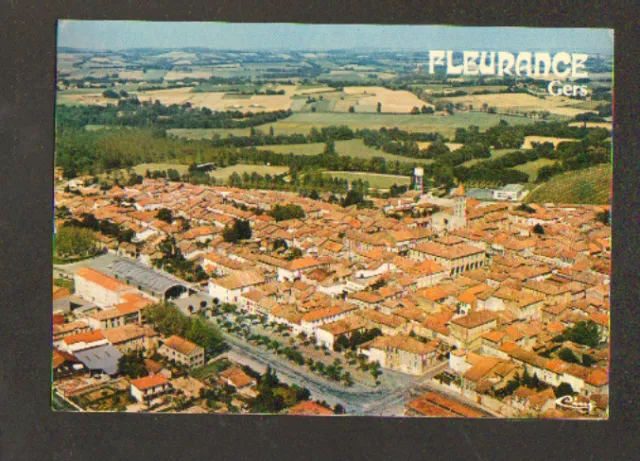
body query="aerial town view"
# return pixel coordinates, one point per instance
(332, 220)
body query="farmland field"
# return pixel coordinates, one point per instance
(314, 148)
(380, 181)
(391, 101)
(218, 101)
(143, 167)
(468, 89)
(207, 133)
(607, 125)
(451, 145)
(531, 168)
(224, 173)
(303, 122)
(496, 153)
(521, 103)
(351, 148)
(529, 140)
(591, 186)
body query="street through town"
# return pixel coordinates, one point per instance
(386, 399)
(357, 400)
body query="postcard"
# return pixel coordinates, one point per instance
(353, 220)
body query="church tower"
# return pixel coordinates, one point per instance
(459, 208)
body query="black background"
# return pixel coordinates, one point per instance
(30, 430)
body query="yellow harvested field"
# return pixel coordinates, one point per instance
(214, 101)
(451, 145)
(521, 103)
(131, 74)
(315, 90)
(178, 55)
(83, 98)
(395, 102)
(219, 101)
(529, 140)
(173, 75)
(173, 96)
(607, 125)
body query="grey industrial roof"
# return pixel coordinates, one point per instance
(513, 188)
(148, 279)
(480, 194)
(103, 358)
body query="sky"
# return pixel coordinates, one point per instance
(118, 35)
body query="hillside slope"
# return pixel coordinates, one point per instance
(590, 186)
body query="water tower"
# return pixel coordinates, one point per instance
(418, 179)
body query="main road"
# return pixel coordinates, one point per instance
(357, 400)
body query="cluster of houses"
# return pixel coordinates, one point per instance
(471, 280)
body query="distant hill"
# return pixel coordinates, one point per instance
(589, 186)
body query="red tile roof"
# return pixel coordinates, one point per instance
(149, 382)
(88, 337)
(180, 345)
(101, 279)
(308, 408)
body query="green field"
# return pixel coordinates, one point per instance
(224, 173)
(208, 133)
(314, 148)
(303, 122)
(142, 169)
(589, 186)
(379, 181)
(496, 153)
(221, 174)
(351, 148)
(531, 168)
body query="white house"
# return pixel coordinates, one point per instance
(146, 388)
(99, 288)
(228, 289)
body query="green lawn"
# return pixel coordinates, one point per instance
(65, 283)
(380, 181)
(210, 369)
